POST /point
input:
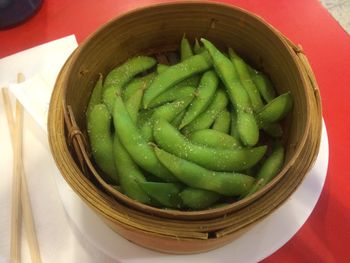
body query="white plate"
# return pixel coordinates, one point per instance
(265, 237)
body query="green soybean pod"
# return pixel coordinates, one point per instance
(193, 175)
(170, 139)
(136, 84)
(263, 83)
(185, 49)
(175, 74)
(233, 130)
(192, 81)
(144, 115)
(213, 138)
(273, 129)
(101, 140)
(144, 123)
(133, 104)
(172, 94)
(246, 80)
(204, 95)
(246, 123)
(161, 68)
(166, 194)
(223, 122)
(208, 116)
(276, 109)
(248, 128)
(185, 53)
(135, 144)
(96, 95)
(120, 76)
(146, 130)
(170, 110)
(198, 199)
(197, 47)
(177, 121)
(129, 173)
(269, 169)
(188, 82)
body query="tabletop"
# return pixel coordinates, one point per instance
(326, 234)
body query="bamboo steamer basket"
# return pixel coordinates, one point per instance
(156, 30)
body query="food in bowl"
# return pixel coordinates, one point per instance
(187, 135)
(155, 31)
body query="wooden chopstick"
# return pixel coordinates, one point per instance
(19, 187)
(16, 222)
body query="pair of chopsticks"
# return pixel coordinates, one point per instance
(21, 206)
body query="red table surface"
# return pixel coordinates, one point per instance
(325, 237)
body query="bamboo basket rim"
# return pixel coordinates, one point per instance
(308, 81)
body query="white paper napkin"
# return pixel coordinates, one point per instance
(40, 66)
(340, 10)
(58, 237)
(34, 94)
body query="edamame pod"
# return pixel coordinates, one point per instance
(168, 111)
(143, 116)
(222, 122)
(186, 52)
(276, 109)
(146, 130)
(193, 175)
(188, 82)
(198, 199)
(192, 81)
(246, 80)
(234, 131)
(246, 123)
(129, 173)
(96, 95)
(101, 140)
(197, 47)
(167, 194)
(204, 95)
(171, 140)
(144, 122)
(172, 94)
(161, 68)
(264, 85)
(121, 75)
(136, 84)
(138, 148)
(269, 169)
(213, 138)
(177, 121)
(185, 49)
(133, 105)
(208, 116)
(175, 74)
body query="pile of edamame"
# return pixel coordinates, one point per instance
(199, 133)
